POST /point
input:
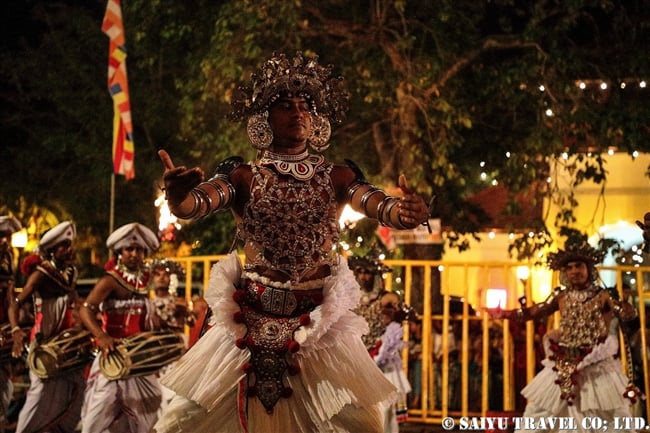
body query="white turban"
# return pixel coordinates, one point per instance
(59, 233)
(133, 234)
(9, 224)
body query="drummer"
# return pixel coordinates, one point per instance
(8, 225)
(121, 296)
(51, 279)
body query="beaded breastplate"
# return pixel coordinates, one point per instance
(582, 323)
(581, 328)
(290, 221)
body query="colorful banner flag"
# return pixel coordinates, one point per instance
(123, 147)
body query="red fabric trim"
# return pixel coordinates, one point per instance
(241, 404)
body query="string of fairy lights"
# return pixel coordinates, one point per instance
(349, 217)
(598, 85)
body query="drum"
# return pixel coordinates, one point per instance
(142, 354)
(69, 350)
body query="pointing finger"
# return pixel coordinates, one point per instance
(403, 185)
(166, 159)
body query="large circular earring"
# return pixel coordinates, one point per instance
(319, 139)
(259, 131)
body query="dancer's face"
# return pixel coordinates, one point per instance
(577, 274)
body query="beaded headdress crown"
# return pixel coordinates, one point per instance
(575, 253)
(168, 265)
(299, 76)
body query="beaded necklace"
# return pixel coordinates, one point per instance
(135, 281)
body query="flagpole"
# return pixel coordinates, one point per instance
(111, 215)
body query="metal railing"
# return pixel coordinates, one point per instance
(477, 374)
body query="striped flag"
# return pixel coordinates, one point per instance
(123, 148)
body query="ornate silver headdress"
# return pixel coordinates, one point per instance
(575, 253)
(582, 252)
(300, 76)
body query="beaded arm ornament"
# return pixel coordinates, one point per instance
(361, 191)
(215, 194)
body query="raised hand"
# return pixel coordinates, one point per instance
(412, 208)
(179, 181)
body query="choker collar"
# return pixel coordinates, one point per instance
(268, 155)
(301, 166)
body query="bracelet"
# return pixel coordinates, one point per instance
(387, 210)
(195, 208)
(401, 223)
(366, 196)
(380, 210)
(91, 307)
(519, 314)
(224, 202)
(15, 328)
(383, 213)
(354, 188)
(204, 197)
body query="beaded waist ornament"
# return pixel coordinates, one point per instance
(271, 316)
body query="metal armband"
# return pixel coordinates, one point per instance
(383, 213)
(622, 313)
(195, 208)
(222, 174)
(520, 315)
(359, 183)
(91, 307)
(363, 202)
(220, 183)
(203, 204)
(549, 304)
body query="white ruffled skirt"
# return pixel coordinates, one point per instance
(338, 389)
(600, 390)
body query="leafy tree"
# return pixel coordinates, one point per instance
(448, 92)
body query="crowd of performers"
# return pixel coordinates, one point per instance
(94, 363)
(283, 351)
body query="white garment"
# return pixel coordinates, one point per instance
(52, 402)
(600, 390)
(338, 387)
(389, 359)
(120, 406)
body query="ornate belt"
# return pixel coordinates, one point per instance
(566, 360)
(281, 302)
(271, 316)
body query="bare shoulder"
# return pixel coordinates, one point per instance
(35, 282)
(104, 287)
(343, 176)
(241, 175)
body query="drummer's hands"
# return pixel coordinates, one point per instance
(179, 181)
(412, 208)
(106, 343)
(18, 346)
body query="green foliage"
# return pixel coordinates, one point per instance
(441, 91)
